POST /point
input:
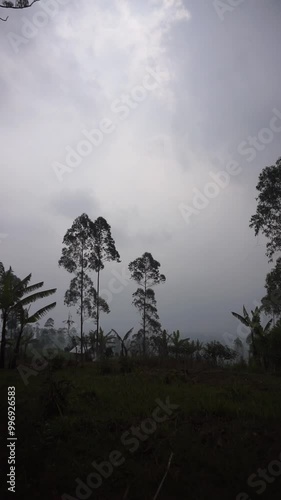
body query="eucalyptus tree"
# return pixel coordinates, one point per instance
(104, 251)
(267, 219)
(76, 255)
(69, 322)
(145, 271)
(13, 299)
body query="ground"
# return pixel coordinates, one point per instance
(224, 427)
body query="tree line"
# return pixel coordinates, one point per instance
(87, 247)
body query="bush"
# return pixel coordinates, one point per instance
(126, 365)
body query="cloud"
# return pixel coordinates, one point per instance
(222, 82)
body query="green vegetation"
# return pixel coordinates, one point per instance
(226, 426)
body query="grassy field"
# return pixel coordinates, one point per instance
(226, 426)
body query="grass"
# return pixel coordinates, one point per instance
(226, 426)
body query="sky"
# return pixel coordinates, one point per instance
(158, 116)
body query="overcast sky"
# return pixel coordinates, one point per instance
(167, 91)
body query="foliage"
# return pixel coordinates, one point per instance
(76, 255)
(124, 341)
(104, 250)
(15, 295)
(271, 303)
(217, 353)
(257, 331)
(267, 217)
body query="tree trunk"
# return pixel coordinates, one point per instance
(82, 304)
(98, 308)
(17, 348)
(254, 345)
(3, 340)
(144, 319)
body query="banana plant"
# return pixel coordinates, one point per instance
(179, 346)
(124, 348)
(101, 341)
(257, 331)
(25, 319)
(14, 297)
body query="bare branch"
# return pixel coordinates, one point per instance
(164, 477)
(16, 7)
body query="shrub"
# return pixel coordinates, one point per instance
(55, 396)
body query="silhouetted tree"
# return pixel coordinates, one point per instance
(258, 333)
(76, 255)
(216, 352)
(267, 219)
(104, 251)
(13, 299)
(145, 271)
(271, 303)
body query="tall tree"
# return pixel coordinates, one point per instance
(72, 297)
(267, 219)
(104, 251)
(76, 255)
(145, 271)
(69, 322)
